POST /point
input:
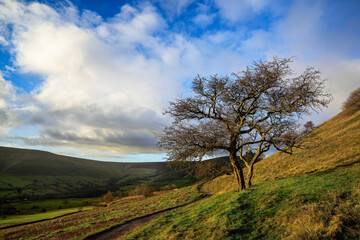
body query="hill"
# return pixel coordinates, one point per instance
(34, 162)
(313, 194)
(332, 144)
(32, 174)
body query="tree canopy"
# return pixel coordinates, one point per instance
(254, 110)
(353, 101)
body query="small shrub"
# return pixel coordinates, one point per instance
(353, 101)
(309, 126)
(121, 193)
(168, 187)
(66, 202)
(145, 190)
(9, 210)
(108, 197)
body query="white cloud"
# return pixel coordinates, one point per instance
(174, 8)
(10, 107)
(106, 83)
(204, 19)
(204, 16)
(303, 33)
(238, 10)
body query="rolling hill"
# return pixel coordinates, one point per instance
(312, 194)
(33, 174)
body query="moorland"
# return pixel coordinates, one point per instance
(312, 194)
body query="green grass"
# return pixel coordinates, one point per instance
(311, 206)
(13, 181)
(17, 219)
(31, 207)
(79, 225)
(313, 194)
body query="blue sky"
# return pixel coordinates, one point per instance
(92, 78)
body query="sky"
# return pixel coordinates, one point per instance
(92, 79)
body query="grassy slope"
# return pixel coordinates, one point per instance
(332, 144)
(19, 219)
(79, 225)
(315, 205)
(313, 194)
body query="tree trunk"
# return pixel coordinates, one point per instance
(250, 175)
(238, 172)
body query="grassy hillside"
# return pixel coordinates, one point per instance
(323, 205)
(313, 194)
(333, 144)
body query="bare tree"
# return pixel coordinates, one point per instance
(309, 126)
(353, 101)
(254, 110)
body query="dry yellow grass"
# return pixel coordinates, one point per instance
(334, 143)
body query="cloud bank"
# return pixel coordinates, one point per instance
(104, 82)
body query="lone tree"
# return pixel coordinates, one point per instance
(254, 110)
(309, 126)
(353, 101)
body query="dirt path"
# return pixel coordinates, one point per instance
(119, 230)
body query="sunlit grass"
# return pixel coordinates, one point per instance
(313, 194)
(304, 207)
(81, 224)
(16, 219)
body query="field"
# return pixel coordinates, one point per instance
(31, 207)
(88, 222)
(21, 219)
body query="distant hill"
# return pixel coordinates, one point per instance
(32, 174)
(35, 162)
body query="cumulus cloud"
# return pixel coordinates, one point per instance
(238, 10)
(105, 82)
(174, 8)
(96, 90)
(304, 32)
(10, 107)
